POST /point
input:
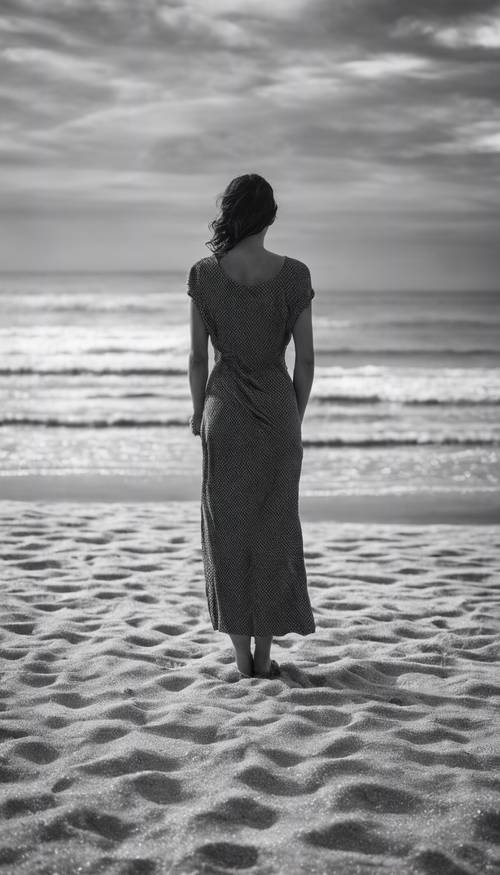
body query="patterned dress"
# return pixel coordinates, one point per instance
(251, 535)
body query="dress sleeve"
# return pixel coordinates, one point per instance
(300, 296)
(195, 291)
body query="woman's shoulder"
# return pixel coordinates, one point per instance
(300, 267)
(209, 260)
(200, 272)
(199, 265)
(206, 261)
(208, 266)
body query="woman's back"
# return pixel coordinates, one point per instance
(251, 321)
(251, 269)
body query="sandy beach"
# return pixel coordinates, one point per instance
(129, 745)
(198, 202)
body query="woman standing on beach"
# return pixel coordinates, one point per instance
(249, 415)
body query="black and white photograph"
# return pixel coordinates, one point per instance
(249, 437)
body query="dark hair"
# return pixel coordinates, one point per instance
(246, 207)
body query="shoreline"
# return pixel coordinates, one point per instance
(453, 508)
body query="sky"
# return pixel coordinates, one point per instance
(377, 123)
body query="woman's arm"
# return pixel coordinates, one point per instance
(303, 373)
(198, 365)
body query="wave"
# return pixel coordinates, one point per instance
(407, 402)
(445, 440)
(416, 352)
(455, 402)
(323, 370)
(119, 422)
(94, 306)
(100, 372)
(158, 422)
(124, 350)
(125, 395)
(438, 320)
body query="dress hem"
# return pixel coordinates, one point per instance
(266, 634)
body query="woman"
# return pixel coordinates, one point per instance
(250, 301)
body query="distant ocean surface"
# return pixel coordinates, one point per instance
(93, 379)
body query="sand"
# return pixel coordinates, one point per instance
(130, 745)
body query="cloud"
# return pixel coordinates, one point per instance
(359, 108)
(49, 63)
(482, 31)
(384, 65)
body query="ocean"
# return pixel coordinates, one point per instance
(93, 379)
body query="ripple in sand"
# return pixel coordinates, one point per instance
(136, 761)
(430, 736)
(103, 734)
(372, 796)
(9, 732)
(71, 700)
(37, 680)
(487, 826)
(223, 855)
(36, 752)
(157, 787)
(327, 716)
(170, 629)
(22, 805)
(56, 722)
(111, 575)
(39, 564)
(314, 697)
(267, 781)
(19, 628)
(62, 784)
(351, 835)
(124, 712)
(141, 641)
(342, 747)
(175, 682)
(48, 607)
(241, 810)
(202, 734)
(10, 775)
(9, 856)
(284, 758)
(86, 820)
(108, 595)
(434, 862)
(12, 654)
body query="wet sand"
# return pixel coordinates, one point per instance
(464, 508)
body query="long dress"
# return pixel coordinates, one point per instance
(251, 536)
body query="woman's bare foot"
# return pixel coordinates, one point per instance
(261, 667)
(262, 654)
(244, 662)
(274, 671)
(242, 652)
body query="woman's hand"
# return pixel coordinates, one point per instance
(195, 422)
